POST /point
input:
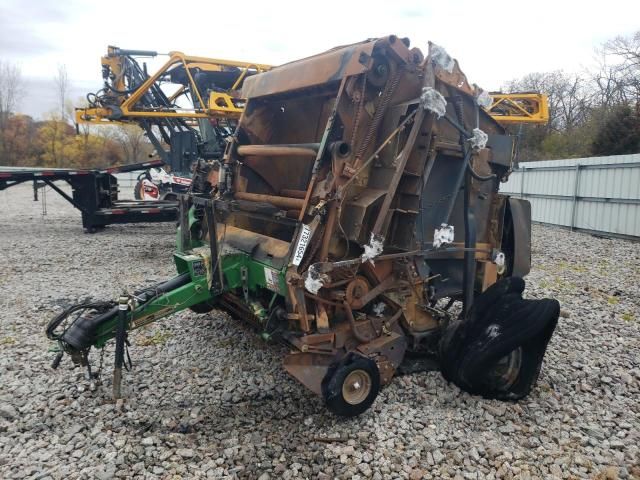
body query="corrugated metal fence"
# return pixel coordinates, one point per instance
(598, 194)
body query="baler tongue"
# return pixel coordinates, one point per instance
(93, 324)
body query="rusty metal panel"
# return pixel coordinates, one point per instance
(308, 72)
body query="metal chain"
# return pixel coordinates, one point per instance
(360, 106)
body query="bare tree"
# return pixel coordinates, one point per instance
(569, 99)
(11, 89)
(608, 90)
(134, 143)
(623, 53)
(61, 81)
(574, 101)
(626, 47)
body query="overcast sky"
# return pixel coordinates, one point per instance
(494, 41)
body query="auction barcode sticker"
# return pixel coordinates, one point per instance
(301, 246)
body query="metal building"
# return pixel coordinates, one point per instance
(597, 194)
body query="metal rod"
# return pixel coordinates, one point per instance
(121, 332)
(631, 201)
(458, 127)
(469, 272)
(322, 146)
(64, 195)
(283, 202)
(288, 192)
(216, 276)
(130, 52)
(290, 150)
(328, 232)
(604, 166)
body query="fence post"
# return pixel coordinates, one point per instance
(524, 169)
(576, 185)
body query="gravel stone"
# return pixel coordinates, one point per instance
(207, 398)
(8, 411)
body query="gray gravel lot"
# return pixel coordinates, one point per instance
(207, 398)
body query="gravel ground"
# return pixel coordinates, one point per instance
(207, 398)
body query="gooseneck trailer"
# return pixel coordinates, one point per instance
(95, 193)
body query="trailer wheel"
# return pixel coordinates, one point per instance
(203, 307)
(137, 190)
(351, 387)
(170, 197)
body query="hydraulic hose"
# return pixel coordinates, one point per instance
(477, 176)
(81, 334)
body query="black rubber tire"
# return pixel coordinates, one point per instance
(333, 382)
(500, 323)
(203, 307)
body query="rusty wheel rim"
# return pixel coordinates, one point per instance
(356, 387)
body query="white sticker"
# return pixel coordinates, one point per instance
(443, 235)
(301, 246)
(272, 278)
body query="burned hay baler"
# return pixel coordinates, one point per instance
(356, 217)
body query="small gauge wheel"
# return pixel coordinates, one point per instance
(351, 388)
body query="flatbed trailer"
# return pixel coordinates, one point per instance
(95, 193)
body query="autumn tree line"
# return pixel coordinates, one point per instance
(592, 112)
(55, 141)
(595, 112)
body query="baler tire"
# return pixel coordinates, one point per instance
(501, 325)
(337, 388)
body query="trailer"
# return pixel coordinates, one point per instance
(95, 193)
